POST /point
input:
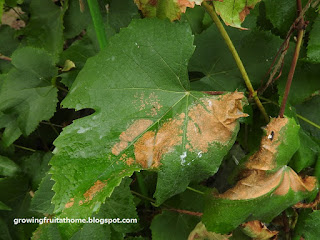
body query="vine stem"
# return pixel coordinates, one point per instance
(98, 23)
(300, 26)
(236, 57)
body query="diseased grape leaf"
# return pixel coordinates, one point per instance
(258, 231)
(201, 233)
(313, 52)
(47, 231)
(273, 193)
(232, 12)
(26, 94)
(145, 118)
(277, 147)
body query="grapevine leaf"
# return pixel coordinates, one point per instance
(41, 202)
(277, 146)
(78, 53)
(8, 43)
(162, 9)
(94, 232)
(281, 13)
(271, 192)
(172, 226)
(308, 226)
(4, 231)
(45, 28)
(310, 110)
(1, 9)
(217, 64)
(194, 17)
(257, 230)
(8, 167)
(27, 96)
(313, 52)
(201, 233)
(307, 153)
(138, 89)
(47, 231)
(4, 206)
(233, 13)
(306, 82)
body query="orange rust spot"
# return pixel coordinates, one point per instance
(130, 161)
(264, 158)
(148, 150)
(151, 102)
(134, 130)
(258, 183)
(69, 204)
(214, 120)
(97, 187)
(291, 180)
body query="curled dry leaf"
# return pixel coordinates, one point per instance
(258, 231)
(171, 9)
(260, 183)
(201, 233)
(277, 147)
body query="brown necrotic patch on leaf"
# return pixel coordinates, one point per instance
(257, 230)
(133, 131)
(70, 203)
(292, 181)
(92, 191)
(264, 158)
(213, 120)
(150, 148)
(257, 184)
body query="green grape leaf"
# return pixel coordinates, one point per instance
(194, 17)
(47, 231)
(310, 110)
(273, 193)
(233, 13)
(308, 226)
(172, 226)
(305, 82)
(217, 64)
(145, 118)
(27, 95)
(78, 53)
(313, 52)
(8, 43)
(36, 166)
(4, 231)
(281, 14)
(306, 154)
(94, 232)
(8, 167)
(4, 206)
(41, 202)
(45, 27)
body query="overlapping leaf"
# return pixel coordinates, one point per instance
(27, 95)
(272, 192)
(233, 13)
(145, 118)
